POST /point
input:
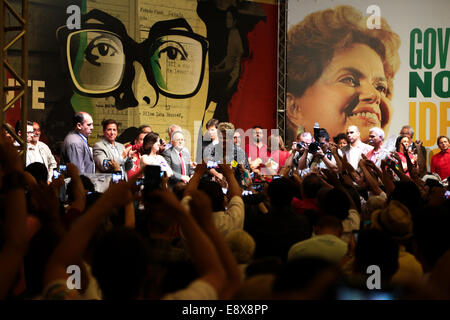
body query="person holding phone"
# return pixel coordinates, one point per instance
(110, 155)
(150, 153)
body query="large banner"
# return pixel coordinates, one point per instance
(155, 62)
(370, 64)
(163, 62)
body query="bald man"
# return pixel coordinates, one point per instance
(355, 147)
(76, 148)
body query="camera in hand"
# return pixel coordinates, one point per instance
(301, 145)
(62, 171)
(314, 146)
(212, 165)
(152, 178)
(116, 177)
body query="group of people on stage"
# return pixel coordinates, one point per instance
(259, 157)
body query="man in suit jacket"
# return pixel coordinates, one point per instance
(179, 159)
(75, 146)
(110, 155)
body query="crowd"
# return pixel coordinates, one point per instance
(245, 221)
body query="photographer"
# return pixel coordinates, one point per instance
(299, 148)
(318, 153)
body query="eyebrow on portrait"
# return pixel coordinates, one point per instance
(359, 74)
(170, 24)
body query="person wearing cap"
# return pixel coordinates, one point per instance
(440, 162)
(396, 221)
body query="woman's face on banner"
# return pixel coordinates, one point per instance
(169, 65)
(351, 91)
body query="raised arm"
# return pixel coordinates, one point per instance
(200, 206)
(203, 252)
(71, 249)
(421, 159)
(370, 179)
(303, 158)
(199, 171)
(79, 193)
(233, 186)
(15, 229)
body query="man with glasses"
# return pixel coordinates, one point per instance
(179, 159)
(256, 150)
(38, 151)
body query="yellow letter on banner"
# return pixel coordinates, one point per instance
(412, 116)
(423, 106)
(444, 122)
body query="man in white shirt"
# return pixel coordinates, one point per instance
(38, 151)
(355, 147)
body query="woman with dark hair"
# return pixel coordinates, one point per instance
(401, 145)
(340, 73)
(341, 140)
(150, 153)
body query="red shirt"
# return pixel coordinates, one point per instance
(136, 163)
(280, 157)
(300, 206)
(440, 163)
(254, 152)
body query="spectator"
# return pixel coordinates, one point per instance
(278, 152)
(257, 151)
(440, 162)
(356, 147)
(402, 148)
(396, 221)
(276, 231)
(170, 130)
(179, 159)
(341, 140)
(321, 157)
(150, 153)
(376, 139)
(225, 220)
(311, 185)
(38, 151)
(373, 247)
(136, 146)
(110, 155)
(325, 244)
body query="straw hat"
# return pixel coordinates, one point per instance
(395, 220)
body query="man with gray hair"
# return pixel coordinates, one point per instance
(179, 159)
(376, 140)
(170, 130)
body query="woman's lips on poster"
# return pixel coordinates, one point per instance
(369, 114)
